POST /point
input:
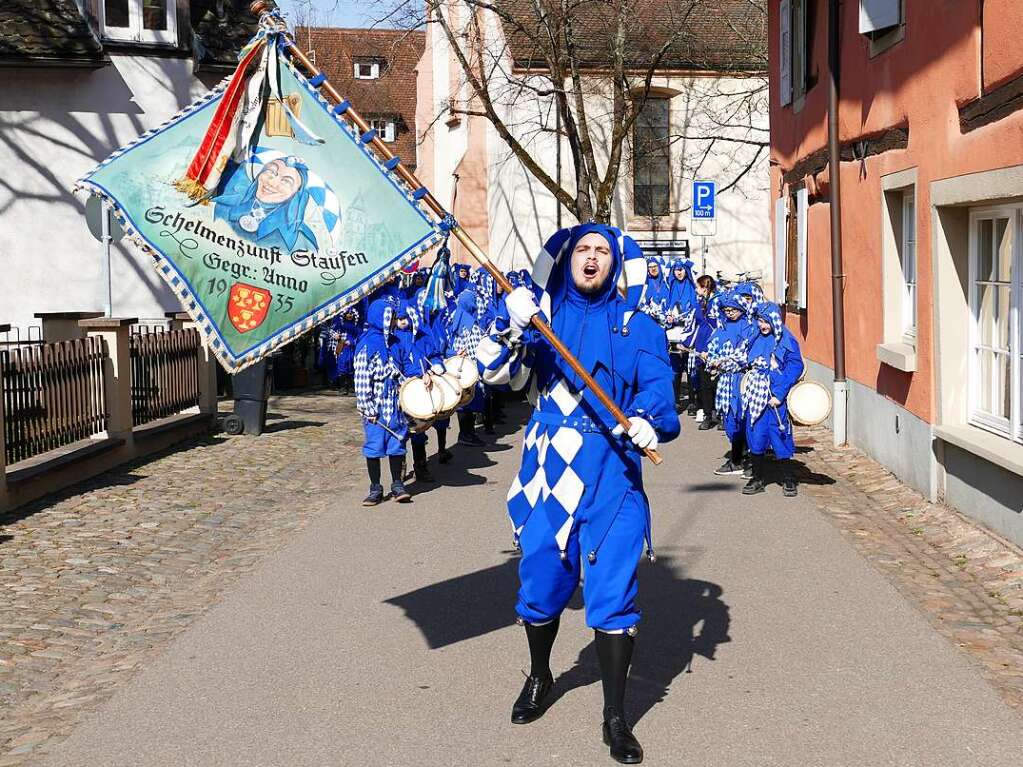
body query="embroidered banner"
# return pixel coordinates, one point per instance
(302, 222)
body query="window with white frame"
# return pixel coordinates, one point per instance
(367, 70)
(879, 15)
(140, 21)
(994, 306)
(908, 255)
(883, 22)
(385, 128)
(797, 22)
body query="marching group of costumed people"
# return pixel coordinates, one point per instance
(397, 333)
(734, 362)
(659, 344)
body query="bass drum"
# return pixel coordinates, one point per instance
(809, 403)
(451, 394)
(463, 369)
(420, 401)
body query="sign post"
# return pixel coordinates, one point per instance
(105, 228)
(704, 210)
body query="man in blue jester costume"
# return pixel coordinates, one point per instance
(726, 354)
(774, 364)
(577, 505)
(681, 322)
(379, 369)
(419, 353)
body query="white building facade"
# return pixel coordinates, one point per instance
(72, 93)
(503, 204)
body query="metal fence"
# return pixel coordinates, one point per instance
(164, 373)
(53, 395)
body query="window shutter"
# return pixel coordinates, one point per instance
(781, 223)
(876, 15)
(785, 54)
(802, 208)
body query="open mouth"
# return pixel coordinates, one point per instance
(590, 271)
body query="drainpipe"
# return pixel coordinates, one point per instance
(557, 153)
(841, 386)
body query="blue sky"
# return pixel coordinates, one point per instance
(333, 13)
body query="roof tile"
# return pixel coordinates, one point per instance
(392, 95)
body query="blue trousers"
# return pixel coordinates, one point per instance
(765, 432)
(380, 443)
(547, 582)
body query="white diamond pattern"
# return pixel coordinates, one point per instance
(515, 489)
(530, 440)
(561, 537)
(567, 442)
(569, 490)
(542, 444)
(533, 488)
(566, 401)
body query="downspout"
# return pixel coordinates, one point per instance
(841, 386)
(557, 153)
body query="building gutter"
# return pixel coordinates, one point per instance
(840, 386)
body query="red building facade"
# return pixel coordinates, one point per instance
(931, 141)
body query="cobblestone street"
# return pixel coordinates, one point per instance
(99, 581)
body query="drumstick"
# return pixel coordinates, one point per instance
(383, 426)
(781, 426)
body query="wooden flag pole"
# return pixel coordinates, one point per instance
(264, 6)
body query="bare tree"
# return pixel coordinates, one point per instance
(585, 69)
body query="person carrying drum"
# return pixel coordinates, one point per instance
(378, 372)
(726, 354)
(774, 364)
(577, 505)
(464, 334)
(435, 324)
(419, 354)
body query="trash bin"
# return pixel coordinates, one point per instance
(251, 390)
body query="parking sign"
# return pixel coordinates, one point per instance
(703, 200)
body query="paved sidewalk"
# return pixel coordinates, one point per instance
(385, 636)
(967, 581)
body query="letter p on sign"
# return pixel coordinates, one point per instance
(704, 221)
(703, 199)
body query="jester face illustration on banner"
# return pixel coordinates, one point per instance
(276, 200)
(278, 232)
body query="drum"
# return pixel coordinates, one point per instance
(676, 335)
(451, 394)
(463, 369)
(809, 403)
(419, 402)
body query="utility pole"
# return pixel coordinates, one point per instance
(841, 386)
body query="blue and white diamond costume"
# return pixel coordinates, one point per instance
(578, 499)
(774, 365)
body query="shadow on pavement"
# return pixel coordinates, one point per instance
(712, 487)
(803, 474)
(458, 472)
(683, 618)
(465, 607)
(289, 425)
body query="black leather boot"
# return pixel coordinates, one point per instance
(614, 652)
(531, 703)
(624, 747)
